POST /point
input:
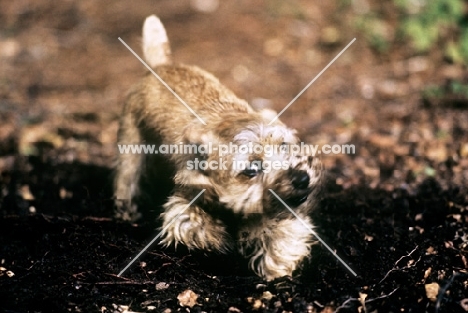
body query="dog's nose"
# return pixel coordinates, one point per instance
(300, 179)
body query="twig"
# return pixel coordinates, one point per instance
(41, 261)
(131, 282)
(344, 304)
(384, 296)
(395, 267)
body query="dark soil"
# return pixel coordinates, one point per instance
(395, 211)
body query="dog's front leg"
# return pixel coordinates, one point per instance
(192, 227)
(275, 246)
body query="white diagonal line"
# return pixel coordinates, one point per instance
(160, 233)
(163, 82)
(311, 82)
(314, 233)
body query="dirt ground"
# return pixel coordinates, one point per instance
(395, 211)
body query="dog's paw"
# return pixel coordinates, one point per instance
(193, 228)
(276, 247)
(126, 211)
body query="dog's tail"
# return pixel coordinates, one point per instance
(156, 48)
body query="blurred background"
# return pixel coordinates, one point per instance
(395, 210)
(399, 93)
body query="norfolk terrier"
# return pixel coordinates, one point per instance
(237, 210)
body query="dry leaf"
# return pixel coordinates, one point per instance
(432, 290)
(257, 304)
(267, 295)
(187, 298)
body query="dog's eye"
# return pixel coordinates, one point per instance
(252, 171)
(284, 147)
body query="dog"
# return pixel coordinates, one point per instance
(236, 210)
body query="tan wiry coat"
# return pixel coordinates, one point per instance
(237, 210)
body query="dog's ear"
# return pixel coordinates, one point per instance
(199, 135)
(199, 146)
(200, 142)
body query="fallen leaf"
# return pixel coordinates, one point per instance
(267, 295)
(257, 304)
(432, 290)
(187, 298)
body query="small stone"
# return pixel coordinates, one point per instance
(427, 272)
(162, 286)
(26, 193)
(431, 250)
